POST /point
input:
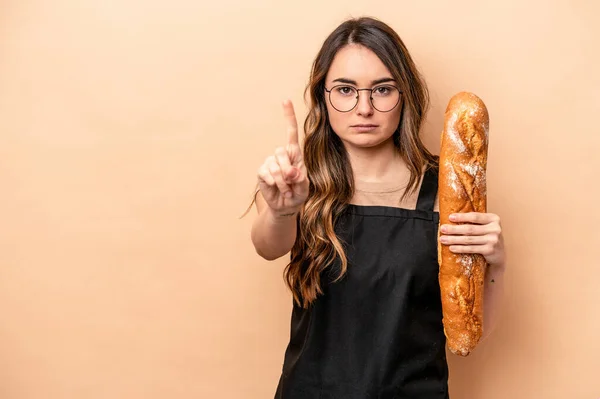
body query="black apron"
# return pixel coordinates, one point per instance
(377, 333)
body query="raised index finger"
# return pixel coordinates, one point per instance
(292, 124)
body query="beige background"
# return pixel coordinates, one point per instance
(130, 135)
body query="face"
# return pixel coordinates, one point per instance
(365, 125)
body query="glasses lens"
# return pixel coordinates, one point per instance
(343, 98)
(385, 98)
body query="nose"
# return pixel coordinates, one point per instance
(364, 106)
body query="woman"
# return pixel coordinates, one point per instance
(358, 209)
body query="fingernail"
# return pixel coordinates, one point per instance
(453, 217)
(443, 240)
(288, 194)
(444, 229)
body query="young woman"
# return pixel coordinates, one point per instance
(357, 208)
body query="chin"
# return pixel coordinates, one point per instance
(367, 140)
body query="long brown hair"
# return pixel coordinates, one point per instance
(327, 164)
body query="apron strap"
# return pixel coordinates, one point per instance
(428, 191)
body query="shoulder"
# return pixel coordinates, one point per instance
(434, 166)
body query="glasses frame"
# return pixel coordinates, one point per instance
(358, 96)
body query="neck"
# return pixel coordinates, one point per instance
(379, 164)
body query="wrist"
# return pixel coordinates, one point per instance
(495, 272)
(282, 215)
(497, 267)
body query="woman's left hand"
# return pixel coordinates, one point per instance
(475, 233)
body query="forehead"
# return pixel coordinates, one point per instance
(357, 63)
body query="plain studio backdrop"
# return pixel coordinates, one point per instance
(130, 137)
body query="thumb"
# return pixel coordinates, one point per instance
(293, 174)
(300, 181)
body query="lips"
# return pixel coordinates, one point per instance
(364, 127)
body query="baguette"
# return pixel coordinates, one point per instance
(462, 188)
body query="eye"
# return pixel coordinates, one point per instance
(345, 90)
(383, 90)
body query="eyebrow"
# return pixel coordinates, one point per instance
(374, 82)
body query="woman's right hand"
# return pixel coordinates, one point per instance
(282, 178)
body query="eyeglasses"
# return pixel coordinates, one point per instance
(383, 98)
